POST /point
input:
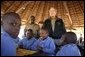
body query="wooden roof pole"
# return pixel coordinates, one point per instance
(68, 14)
(23, 7)
(10, 7)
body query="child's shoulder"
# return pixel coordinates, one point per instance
(24, 39)
(34, 38)
(50, 38)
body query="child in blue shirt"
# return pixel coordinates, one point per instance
(11, 23)
(28, 41)
(45, 43)
(69, 47)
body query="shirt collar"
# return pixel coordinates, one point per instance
(71, 44)
(8, 36)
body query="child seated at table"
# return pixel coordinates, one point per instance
(45, 43)
(11, 23)
(28, 40)
(69, 47)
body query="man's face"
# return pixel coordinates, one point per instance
(52, 12)
(29, 34)
(32, 19)
(43, 34)
(12, 26)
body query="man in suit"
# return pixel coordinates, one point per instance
(54, 25)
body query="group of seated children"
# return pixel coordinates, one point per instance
(44, 43)
(11, 26)
(47, 45)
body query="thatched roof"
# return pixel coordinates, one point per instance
(72, 12)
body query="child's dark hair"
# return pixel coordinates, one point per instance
(27, 30)
(9, 15)
(45, 29)
(70, 37)
(30, 30)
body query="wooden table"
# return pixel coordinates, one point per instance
(24, 52)
(39, 54)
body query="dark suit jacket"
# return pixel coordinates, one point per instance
(59, 29)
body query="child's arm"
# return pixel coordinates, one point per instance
(51, 48)
(34, 46)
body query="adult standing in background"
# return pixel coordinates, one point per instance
(54, 25)
(33, 26)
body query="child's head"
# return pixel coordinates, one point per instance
(69, 37)
(11, 23)
(29, 33)
(44, 33)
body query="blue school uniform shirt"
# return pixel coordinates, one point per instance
(8, 45)
(69, 50)
(17, 41)
(48, 46)
(27, 44)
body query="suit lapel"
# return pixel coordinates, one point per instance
(50, 25)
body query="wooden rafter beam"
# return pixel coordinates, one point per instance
(23, 7)
(68, 14)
